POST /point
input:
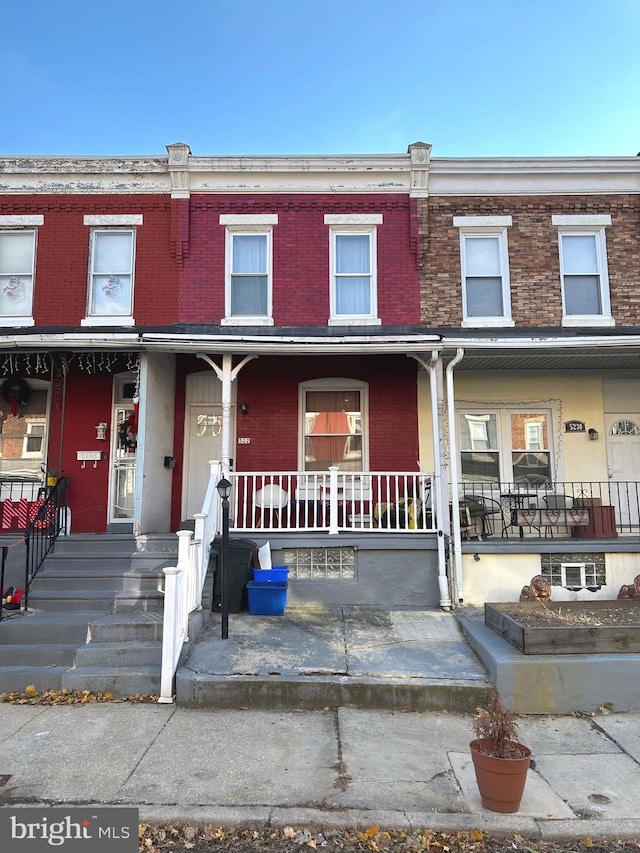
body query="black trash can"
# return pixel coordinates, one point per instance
(242, 559)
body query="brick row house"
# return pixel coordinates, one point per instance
(402, 363)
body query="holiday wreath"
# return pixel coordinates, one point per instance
(128, 433)
(128, 428)
(16, 392)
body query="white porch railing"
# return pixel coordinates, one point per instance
(184, 583)
(332, 501)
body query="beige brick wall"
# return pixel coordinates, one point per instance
(534, 264)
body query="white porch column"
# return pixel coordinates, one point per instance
(227, 374)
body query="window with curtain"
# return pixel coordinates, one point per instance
(583, 268)
(111, 273)
(249, 275)
(484, 260)
(483, 277)
(17, 259)
(333, 429)
(352, 274)
(581, 278)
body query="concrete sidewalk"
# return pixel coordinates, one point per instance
(327, 768)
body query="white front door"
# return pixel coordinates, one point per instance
(623, 454)
(123, 468)
(203, 443)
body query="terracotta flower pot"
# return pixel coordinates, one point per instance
(501, 781)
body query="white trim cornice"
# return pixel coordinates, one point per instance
(494, 176)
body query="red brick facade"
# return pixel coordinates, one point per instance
(300, 256)
(534, 265)
(62, 255)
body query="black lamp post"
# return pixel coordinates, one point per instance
(224, 490)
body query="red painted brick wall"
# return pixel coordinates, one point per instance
(534, 265)
(270, 387)
(62, 259)
(300, 256)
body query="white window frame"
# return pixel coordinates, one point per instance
(587, 225)
(337, 384)
(471, 227)
(358, 225)
(250, 224)
(34, 454)
(22, 224)
(504, 447)
(104, 223)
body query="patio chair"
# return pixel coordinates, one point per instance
(484, 511)
(273, 499)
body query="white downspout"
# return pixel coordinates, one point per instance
(440, 481)
(440, 499)
(453, 467)
(226, 374)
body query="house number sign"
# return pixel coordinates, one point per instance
(574, 426)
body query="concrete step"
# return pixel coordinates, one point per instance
(47, 628)
(33, 654)
(315, 692)
(15, 679)
(129, 654)
(126, 627)
(83, 564)
(90, 543)
(100, 600)
(121, 682)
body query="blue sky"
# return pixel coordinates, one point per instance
(491, 78)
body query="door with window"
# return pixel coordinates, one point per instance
(123, 466)
(124, 445)
(203, 443)
(623, 454)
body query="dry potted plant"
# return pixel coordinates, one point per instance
(500, 761)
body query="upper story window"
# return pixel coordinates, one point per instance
(249, 268)
(353, 265)
(17, 268)
(486, 299)
(583, 268)
(111, 270)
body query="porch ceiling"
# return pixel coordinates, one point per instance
(534, 359)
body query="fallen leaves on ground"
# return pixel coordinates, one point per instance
(208, 838)
(32, 696)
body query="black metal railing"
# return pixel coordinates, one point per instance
(43, 530)
(577, 509)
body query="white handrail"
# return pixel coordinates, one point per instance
(184, 583)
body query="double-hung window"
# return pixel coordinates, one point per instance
(18, 240)
(334, 430)
(353, 269)
(111, 270)
(583, 269)
(505, 446)
(484, 256)
(248, 268)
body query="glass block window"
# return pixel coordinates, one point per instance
(324, 564)
(574, 571)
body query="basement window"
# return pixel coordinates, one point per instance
(575, 571)
(324, 564)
